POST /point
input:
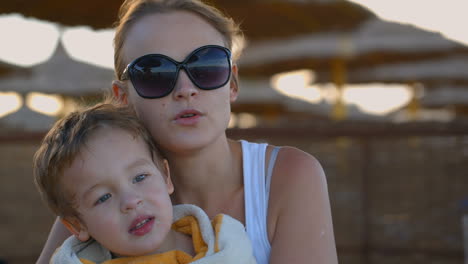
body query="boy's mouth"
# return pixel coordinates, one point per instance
(141, 225)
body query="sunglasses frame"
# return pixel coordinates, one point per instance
(127, 75)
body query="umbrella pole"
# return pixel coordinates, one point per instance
(338, 68)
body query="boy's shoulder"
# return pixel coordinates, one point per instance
(72, 250)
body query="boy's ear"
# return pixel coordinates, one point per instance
(234, 85)
(170, 186)
(118, 90)
(75, 227)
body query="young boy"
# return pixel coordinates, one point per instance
(99, 170)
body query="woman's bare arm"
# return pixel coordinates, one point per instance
(299, 217)
(57, 235)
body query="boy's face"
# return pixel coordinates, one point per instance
(120, 194)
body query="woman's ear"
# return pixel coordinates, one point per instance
(75, 227)
(119, 91)
(234, 85)
(170, 186)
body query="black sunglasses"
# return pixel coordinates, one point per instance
(155, 75)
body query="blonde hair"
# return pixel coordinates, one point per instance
(66, 139)
(132, 11)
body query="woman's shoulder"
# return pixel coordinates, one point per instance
(294, 159)
(296, 168)
(298, 191)
(290, 163)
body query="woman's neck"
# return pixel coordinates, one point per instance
(208, 176)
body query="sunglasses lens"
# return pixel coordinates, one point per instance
(153, 76)
(209, 68)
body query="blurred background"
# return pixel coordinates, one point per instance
(377, 90)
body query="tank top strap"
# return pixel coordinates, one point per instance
(271, 165)
(256, 199)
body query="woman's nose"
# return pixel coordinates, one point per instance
(184, 87)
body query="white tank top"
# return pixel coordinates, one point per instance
(256, 193)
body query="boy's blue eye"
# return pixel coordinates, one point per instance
(139, 178)
(103, 198)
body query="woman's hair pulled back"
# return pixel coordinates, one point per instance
(132, 11)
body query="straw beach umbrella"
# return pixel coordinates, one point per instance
(62, 75)
(374, 43)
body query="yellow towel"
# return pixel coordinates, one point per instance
(222, 240)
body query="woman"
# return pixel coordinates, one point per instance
(175, 68)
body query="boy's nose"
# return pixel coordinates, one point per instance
(130, 202)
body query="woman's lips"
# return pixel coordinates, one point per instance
(188, 117)
(142, 225)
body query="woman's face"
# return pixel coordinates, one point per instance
(188, 118)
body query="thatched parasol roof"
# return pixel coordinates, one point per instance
(60, 74)
(374, 43)
(259, 19)
(283, 36)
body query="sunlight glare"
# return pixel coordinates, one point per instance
(69, 105)
(10, 102)
(447, 17)
(330, 93)
(26, 41)
(246, 120)
(297, 84)
(90, 46)
(377, 99)
(374, 98)
(47, 104)
(232, 121)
